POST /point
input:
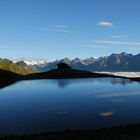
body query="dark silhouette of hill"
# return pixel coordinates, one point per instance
(137, 79)
(62, 74)
(71, 73)
(7, 78)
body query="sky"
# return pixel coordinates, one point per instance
(54, 29)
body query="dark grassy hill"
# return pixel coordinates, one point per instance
(61, 74)
(7, 78)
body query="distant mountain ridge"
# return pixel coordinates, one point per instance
(31, 61)
(114, 63)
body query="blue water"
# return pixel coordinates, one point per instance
(39, 106)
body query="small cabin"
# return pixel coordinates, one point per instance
(63, 66)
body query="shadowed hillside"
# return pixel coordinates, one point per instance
(7, 78)
(60, 74)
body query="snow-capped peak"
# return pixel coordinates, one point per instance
(31, 62)
(34, 62)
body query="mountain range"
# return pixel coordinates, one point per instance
(114, 63)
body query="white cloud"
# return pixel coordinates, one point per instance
(57, 28)
(61, 26)
(119, 36)
(116, 42)
(9, 52)
(94, 46)
(43, 28)
(105, 24)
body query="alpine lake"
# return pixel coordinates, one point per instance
(38, 106)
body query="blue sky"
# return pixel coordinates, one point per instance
(54, 29)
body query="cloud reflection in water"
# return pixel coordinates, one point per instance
(119, 94)
(107, 114)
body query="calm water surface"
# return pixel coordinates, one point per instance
(50, 105)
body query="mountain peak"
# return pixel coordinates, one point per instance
(121, 54)
(76, 60)
(124, 53)
(66, 60)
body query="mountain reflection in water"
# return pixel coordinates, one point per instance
(67, 82)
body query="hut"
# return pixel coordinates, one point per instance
(63, 66)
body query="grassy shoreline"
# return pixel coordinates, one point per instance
(123, 132)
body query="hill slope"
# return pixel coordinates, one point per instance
(62, 74)
(7, 65)
(7, 78)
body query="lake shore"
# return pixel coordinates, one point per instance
(73, 73)
(124, 132)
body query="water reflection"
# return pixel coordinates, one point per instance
(118, 101)
(62, 83)
(107, 113)
(67, 82)
(121, 81)
(119, 94)
(37, 106)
